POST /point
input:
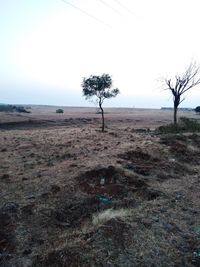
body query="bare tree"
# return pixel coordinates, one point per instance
(181, 84)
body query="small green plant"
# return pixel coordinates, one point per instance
(60, 111)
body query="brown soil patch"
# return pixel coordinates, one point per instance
(115, 182)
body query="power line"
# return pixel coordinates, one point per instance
(113, 9)
(86, 13)
(125, 7)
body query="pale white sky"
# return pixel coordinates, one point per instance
(48, 46)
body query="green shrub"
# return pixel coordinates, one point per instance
(21, 109)
(197, 109)
(59, 110)
(189, 124)
(184, 125)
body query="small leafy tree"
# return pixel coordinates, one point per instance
(101, 88)
(181, 84)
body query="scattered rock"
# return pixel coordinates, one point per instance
(55, 188)
(10, 207)
(151, 194)
(31, 197)
(44, 195)
(142, 130)
(146, 222)
(5, 176)
(163, 210)
(27, 251)
(179, 196)
(171, 227)
(28, 209)
(193, 211)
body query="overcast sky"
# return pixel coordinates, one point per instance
(48, 46)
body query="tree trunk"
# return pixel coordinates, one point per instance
(175, 114)
(102, 114)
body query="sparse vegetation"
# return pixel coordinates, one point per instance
(21, 109)
(101, 218)
(184, 125)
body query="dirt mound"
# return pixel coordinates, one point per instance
(119, 184)
(75, 210)
(111, 182)
(65, 257)
(112, 237)
(139, 161)
(183, 147)
(136, 155)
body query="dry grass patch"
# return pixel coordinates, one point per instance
(109, 214)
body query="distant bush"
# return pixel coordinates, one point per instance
(21, 109)
(6, 108)
(184, 125)
(12, 108)
(197, 109)
(59, 110)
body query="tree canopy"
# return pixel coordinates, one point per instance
(101, 88)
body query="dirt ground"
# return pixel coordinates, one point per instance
(71, 195)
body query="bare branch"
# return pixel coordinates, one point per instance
(183, 83)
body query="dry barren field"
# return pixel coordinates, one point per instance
(73, 196)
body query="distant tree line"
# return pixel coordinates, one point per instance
(14, 108)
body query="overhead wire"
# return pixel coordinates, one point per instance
(86, 13)
(125, 7)
(113, 9)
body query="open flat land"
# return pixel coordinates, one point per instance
(71, 195)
